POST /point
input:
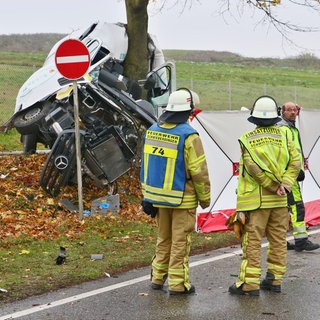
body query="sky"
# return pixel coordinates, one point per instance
(201, 27)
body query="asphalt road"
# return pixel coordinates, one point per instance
(129, 296)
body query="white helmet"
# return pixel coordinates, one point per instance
(182, 100)
(265, 107)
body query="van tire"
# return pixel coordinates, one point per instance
(28, 121)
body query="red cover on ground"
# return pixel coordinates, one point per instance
(312, 217)
(215, 221)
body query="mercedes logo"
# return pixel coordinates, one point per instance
(61, 162)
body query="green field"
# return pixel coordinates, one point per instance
(220, 85)
(225, 86)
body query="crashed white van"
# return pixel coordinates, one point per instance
(113, 114)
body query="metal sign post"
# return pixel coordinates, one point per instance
(78, 147)
(72, 61)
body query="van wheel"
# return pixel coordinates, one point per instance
(28, 121)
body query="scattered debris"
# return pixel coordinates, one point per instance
(104, 204)
(62, 256)
(67, 204)
(86, 213)
(96, 256)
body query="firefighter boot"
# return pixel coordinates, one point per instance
(239, 291)
(290, 246)
(305, 244)
(186, 291)
(156, 286)
(266, 284)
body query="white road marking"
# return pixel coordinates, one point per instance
(85, 295)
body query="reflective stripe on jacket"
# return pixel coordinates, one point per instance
(268, 160)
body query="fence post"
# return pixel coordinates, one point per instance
(230, 95)
(191, 84)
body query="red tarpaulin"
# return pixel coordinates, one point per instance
(215, 220)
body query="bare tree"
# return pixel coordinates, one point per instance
(270, 16)
(136, 65)
(136, 62)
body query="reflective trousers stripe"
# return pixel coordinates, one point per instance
(297, 212)
(277, 271)
(159, 270)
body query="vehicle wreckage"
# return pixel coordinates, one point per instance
(113, 115)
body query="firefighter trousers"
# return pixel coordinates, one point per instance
(272, 223)
(297, 213)
(171, 259)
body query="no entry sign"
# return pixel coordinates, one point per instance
(72, 59)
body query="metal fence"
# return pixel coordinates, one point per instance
(229, 95)
(214, 95)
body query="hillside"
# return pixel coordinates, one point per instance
(305, 61)
(41, 43)
(29, 43)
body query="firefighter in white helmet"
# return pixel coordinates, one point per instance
(269, 166)
(175, 180)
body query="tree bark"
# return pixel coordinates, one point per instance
(136, 62)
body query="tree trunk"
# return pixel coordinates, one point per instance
(136, 62)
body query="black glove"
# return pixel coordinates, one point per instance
(149, 209)
(301, 175)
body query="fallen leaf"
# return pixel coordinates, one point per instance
(24, 252)
(143, 294)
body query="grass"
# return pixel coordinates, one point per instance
(274, 76)
(224, 86)
(22, 59)
(10, 141)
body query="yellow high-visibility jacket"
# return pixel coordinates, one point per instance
(269, 159)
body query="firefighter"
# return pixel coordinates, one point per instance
(269, 166)
(297, 210)
(174, 178)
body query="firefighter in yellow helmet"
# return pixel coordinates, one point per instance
(174, 178)
(269, 166)
(297, 209)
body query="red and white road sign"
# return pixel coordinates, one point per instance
(72, 59)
